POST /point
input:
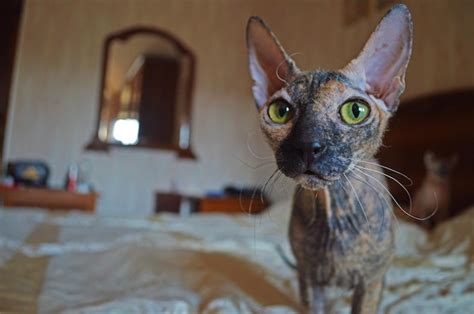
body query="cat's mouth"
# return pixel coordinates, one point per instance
(313, 180)
(311, 173)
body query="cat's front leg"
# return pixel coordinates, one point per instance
(303, 287)
(366, 297)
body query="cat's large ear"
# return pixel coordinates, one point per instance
(383, 61)
(270, 66)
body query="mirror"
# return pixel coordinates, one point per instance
(146, 92)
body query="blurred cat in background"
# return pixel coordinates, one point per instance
(435, 191)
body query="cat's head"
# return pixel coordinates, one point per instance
(318, 122)
(438, 167)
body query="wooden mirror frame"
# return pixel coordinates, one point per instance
(182, 150)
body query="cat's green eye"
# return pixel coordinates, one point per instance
(280, 112)
(354, 112)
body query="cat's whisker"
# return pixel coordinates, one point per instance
(386, 168)
(272, 185)
(252, 152)
(255, 167)
(262, 190)
(437, 203)
(386, 175)
(249, 211)
(270, 191)
(277, 223)
(382, 186)
(278, 68)
(277, 185)
(251, 205)
(284, 183)
(395, 200)
(295, 53)
(395, 180)
(278, 75)
(357, 198)
(378, 193)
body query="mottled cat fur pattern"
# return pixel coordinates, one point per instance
(324, 128)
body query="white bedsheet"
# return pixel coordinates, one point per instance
(208, 264)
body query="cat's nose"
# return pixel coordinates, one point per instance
(310, 151)
(316, 148)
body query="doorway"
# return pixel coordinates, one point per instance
(10, 16)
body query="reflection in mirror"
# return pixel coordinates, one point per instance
(146, 92)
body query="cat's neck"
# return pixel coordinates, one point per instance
(351, 204)
(431, 178)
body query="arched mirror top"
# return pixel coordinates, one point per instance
(146, 92)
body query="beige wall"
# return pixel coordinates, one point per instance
(54, 99)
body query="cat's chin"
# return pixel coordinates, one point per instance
(313, 182)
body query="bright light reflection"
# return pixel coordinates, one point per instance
(126, 131)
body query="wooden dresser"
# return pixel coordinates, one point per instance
(171, 202)
(48, 198)
(231, 205)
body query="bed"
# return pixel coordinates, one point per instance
(208, 263)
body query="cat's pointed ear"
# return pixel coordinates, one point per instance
(384, 59)
(270, 66)
(429, 158)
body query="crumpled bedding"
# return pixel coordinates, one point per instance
(215, 263)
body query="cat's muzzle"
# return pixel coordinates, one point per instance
(313, 165)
